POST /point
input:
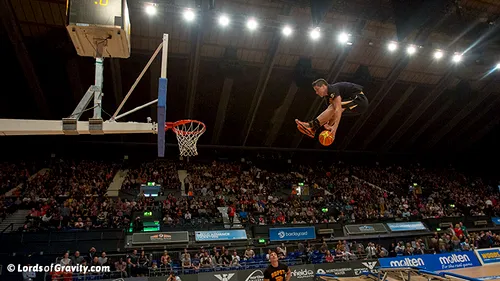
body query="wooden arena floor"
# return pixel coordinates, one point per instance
(489, 272)
(480, 271)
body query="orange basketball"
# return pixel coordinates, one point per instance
(326, 138)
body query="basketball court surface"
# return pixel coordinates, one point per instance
(491, 272)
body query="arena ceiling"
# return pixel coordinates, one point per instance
(248, 87)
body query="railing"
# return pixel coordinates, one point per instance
(11, 226)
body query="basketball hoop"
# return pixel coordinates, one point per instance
(187, 132)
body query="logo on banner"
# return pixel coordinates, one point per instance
(224, 277)
(335, 271)
(256, 275)
(367, 228)
(160, 237)
(281, 234)
(489, 256)
(408, 262)
(434, 262)
(369, 267)
(303, 273)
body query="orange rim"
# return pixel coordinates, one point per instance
(173, 126)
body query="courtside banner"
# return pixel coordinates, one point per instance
(347, 269)
(407, 226)
(220, 235)
(362, 229)
(160, 237)
(488, 256)
(292, 233)
(434, 262)
(495, 220)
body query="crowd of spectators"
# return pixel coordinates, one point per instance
(72, 194)
(385, 192)
(192, 260)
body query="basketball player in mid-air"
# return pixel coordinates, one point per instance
(343, 98)
(277, 271)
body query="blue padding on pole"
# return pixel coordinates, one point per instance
(162, 114)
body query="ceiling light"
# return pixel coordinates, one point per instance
(287, 30)
(150, 10)
(457, 57)
(393, 46)
(223, 20)
(438, 54)
(189, 15)
(315, 33)
(411, 50)
(252, 24)
(343, 37)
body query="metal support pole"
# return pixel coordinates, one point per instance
(135, 109)
(137, 81)
(99, 80)
(164, 56)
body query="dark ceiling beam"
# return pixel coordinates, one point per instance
(72, 68)
(116, 76)
(333, 75)
(194, 66)
(16, 38)
(264, 76)
(388, 116)
(479, 134)
(483, 94)
(435, 116)
(280, 114)
(473, 121)
(375, 102)
(421, 38)
(417, 113)
(221, 110)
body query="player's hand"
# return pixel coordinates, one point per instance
(331, 129)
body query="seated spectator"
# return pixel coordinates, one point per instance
(77, 259)
(249, 254)
(205, 260)
(65, 261)
(235, 259)
(328, 257)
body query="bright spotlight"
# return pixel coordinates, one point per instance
(223, 20)
(315, 34)
(343, 37)
(287, 30)
(457, 58)
(392, 46)
(150, 10)
(252, 24)
(411, 50)
(189, 15)
(438, 54)
(498, 66)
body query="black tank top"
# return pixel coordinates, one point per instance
(346, 90)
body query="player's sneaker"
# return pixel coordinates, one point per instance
(306, 128)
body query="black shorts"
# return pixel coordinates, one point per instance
(357, 106)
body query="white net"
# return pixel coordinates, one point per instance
(187, 137)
